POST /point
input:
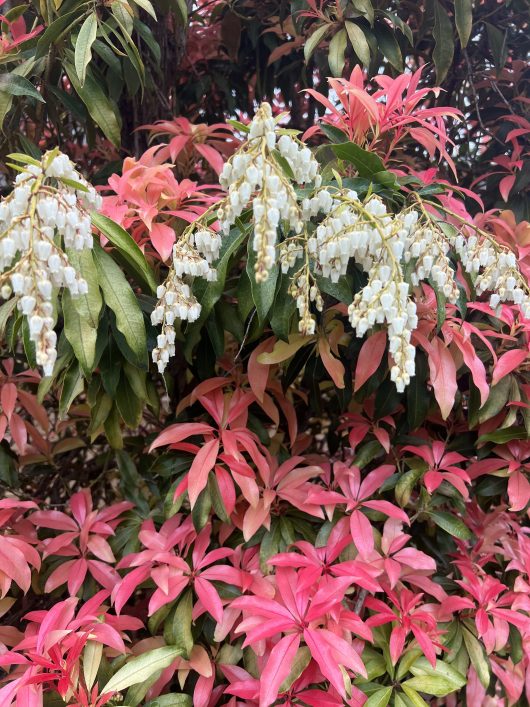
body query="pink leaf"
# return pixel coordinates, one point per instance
(209, 598)
(182, 430)
(362, 533)
(277, 668)
(505, 186)
(518, 491)
(507, 363)
(211, 155)
(443, 376)
(8, 398)
(370, 357)
(203, 463)
(163, 238)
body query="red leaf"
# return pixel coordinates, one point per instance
(370, 357)
(8, 398)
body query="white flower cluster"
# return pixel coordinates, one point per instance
(48, 210)
(256, 173)
(326, 230)
(191, 257)
(494, 271)
(375, 240)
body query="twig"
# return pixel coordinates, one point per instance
(476, 101)
(360, 601)
(245, 335)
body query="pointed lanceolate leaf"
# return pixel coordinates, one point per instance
(83, 46)
(120, 298)
(337, 47)
(127, 248)
(444, 43)
(141, 668)
(103, 111)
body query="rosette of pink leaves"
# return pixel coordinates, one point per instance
(84, 536)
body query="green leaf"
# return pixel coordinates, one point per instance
(314, 40)
(503, 436)
(120, 298)
(418, 396)
(127, 248)
(122, 14)
(53, 33)
(431, 684)
(400, 24)
(366, 8)
(358, 42)
(421, 667)
(337, 47)
(24, 159)
(73, 385)
(6, 310)
(498, 45)
(217, 499)
(388, 45)
(181, 625)
(130, 406)
(452, 525)
(333, 133)
(80, 333)
(283, 310)
(17, 85)
(477, 655)
(102, 110)
(83, 46)
(91, 661)
(497, 399)
(142, 667)
(444, 42)
(147, 6)
(182, 8)
(464, 20)
(172, 699)
(300, 663)
(89, 305)
(208, 293)
(366, 163)
(380, 698)
(262, 292)
(415, 699)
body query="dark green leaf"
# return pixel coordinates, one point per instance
(102, 110)
(388, 45)
(464, 20)
(262, 292)
(127, 248)
(366, 163)
(19, 86)
(451, 524)
(120, 298)
(498, 45)
(444, 43)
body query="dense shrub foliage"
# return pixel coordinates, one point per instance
(264, 381)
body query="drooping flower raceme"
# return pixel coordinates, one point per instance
(46, 214)
(323, 232)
